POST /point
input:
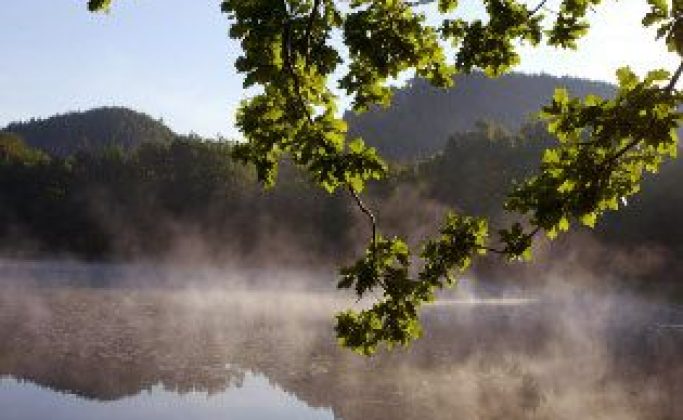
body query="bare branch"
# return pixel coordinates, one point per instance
(538, 7)
(419, 2)
(674, 79)
(527, 237)
(371, 217)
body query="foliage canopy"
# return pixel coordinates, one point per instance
(604, 145)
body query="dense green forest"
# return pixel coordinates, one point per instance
(65, 134)
(153, 199)
(135, 189)
(421, 117)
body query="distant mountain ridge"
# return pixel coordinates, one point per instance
(421, 118)
(65, 134)
(418, 123)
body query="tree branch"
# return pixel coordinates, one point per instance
(538, 7)
(674, 79)
(527, 237)
(287, 58)
(371, 216)
(633, 143)
(373, 225)
(309, 28)
(287, 55)
(418, 2)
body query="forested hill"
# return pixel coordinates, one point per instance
(92, 130)
(416, 125)
(421, 117)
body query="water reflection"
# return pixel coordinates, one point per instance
(254, 399)
(584, 357)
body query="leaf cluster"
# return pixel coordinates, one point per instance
(287, 50)
(393, 319)
(605, 147)
(668, 18)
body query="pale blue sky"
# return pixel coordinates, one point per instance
(173, 59)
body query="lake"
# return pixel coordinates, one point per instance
(108, 341)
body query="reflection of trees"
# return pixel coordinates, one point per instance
(488, 362)
(104, 346)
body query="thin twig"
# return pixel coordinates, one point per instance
(537, 8)
(287, 58)
(371, 217)
(674, 79)
(373, 224)
(532, 12)
(418, 2)
(309, 28)
(527, 237)
(621, 152)
(494, 250)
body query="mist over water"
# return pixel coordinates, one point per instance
(143, 336)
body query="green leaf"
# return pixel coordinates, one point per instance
(561, 96)
(589, 219)
(356, 145)
(563, 224)
(627, 79)
(98, 5)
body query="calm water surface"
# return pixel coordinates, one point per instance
(121, 342)
(255, 398)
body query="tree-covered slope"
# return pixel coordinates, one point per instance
(92, 130)
(477, 169)
(422, 117)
